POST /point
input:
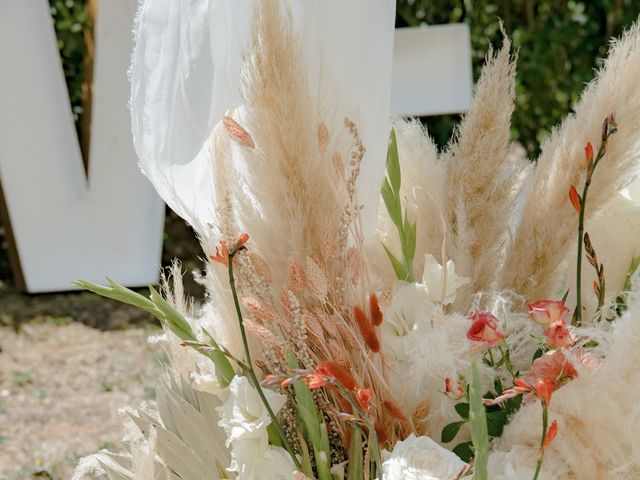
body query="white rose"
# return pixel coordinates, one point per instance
(441, 283)
(420, 458)
(243, 413)
(253, 458)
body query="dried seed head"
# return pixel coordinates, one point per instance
(237, 133)
(367, 329)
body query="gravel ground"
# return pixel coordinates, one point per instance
(61, 386)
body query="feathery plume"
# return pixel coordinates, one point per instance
(482, 182)
(539, 247)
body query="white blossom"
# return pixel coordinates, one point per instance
(441, 283)
(420, 458)
(243, 414)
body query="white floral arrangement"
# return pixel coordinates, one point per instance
(452, 333)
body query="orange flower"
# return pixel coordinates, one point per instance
(558, 335)
(363, 397)
(453, 390)
(367, 329)
(485, 329)
(544, 312)
(221, 255)
(242, 240)
(317, 380)
(544, 390)
(520, 388)
(548, 373)
(575, 198)
(552, 433)
(554, 367)
(376, 313)
(588, 153)
(334, 371)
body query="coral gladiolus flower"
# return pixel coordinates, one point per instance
(552, 433)
(575, 198)
(334, 371)
(485, 329)
(544, 312)
(558, 335)
(317, 380)
(242, 240)
(554, 367)
(363, 397)
(548, 373)
(544, 390)
(222, 254)
(452, 389)
(588, 153)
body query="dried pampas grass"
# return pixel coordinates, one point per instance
(283, 180)
(541, 242)
(481, 182)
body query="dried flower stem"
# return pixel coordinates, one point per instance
(248, 368)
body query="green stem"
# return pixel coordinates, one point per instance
(545, 420)
(250, 371)
(577, 317)
(374, 444)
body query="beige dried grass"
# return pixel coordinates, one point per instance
(481, 180)
(546, 233)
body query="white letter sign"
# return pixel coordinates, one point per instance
(68, 225)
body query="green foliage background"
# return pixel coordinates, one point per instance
(559, 44)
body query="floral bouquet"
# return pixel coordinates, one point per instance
(467, 330)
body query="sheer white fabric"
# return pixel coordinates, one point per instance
(185, 74)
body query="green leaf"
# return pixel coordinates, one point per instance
(171, 317)
(117, 292)
(274, 437)
(463, 410)
(398, 267)
(479, 433)
(410, 232)
(313, 423)
(392, 203)
(464, 451)
(450, 431)
(393, 162)
(496, 422)
(633, 268)
(355, 455)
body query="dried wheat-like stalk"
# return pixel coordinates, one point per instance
(283, 188)
(541, 242)
(481, 182)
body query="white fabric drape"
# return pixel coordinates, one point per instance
(185, 74)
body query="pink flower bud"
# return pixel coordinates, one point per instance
(558, 335)
(485, 329)
(453, 389)
(544, 312)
